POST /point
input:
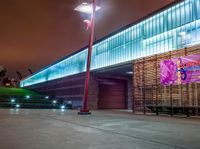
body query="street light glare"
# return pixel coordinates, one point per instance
(86, 8)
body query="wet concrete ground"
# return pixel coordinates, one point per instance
(56, 129)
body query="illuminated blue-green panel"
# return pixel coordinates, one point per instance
(72, 65)
(171, 29)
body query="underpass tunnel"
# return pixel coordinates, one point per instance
(114, 87)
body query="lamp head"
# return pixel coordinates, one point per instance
(86, 8)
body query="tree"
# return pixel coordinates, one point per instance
(2, 72)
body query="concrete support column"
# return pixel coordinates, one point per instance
(129, 94)
(93, 93)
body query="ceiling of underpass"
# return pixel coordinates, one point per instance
(124, 70)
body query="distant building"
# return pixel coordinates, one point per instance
(148, 65)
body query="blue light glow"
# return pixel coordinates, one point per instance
(12, 100)
(17, 105)
(54, 101)
(62, 106)
(160, 33)
(28, 96)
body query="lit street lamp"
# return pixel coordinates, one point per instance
(89, 9)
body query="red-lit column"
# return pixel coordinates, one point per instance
(85, 109)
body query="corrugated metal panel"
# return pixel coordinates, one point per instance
(112, 94)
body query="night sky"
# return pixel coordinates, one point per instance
(35, 33)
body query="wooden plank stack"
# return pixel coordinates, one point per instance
(147, 90)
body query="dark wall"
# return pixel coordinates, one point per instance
(69, 88)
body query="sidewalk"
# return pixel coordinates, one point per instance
(56, 129)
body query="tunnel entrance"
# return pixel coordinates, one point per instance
(115, 87)
(112, 94)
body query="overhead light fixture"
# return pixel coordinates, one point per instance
(129, 72)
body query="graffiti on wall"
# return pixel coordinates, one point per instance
(180, 70)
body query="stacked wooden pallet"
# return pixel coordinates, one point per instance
(147, 89)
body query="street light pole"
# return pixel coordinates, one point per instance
(85, 110)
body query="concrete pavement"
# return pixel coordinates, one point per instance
(56, 129)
